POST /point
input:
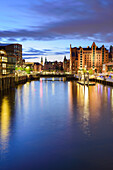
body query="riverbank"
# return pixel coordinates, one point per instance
(7, 82)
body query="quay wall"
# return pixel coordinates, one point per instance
(7, 82)
(103, 81)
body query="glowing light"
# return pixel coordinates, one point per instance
(41, 89)
(53, 79)
(53, 88)
(70, 97)
(26, 95)
(5, 123)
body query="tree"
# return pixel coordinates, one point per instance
(90, 71)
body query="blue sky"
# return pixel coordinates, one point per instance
(48, 27)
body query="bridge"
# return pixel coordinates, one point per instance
(68, 76)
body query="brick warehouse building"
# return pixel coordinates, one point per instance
(13, 49)
(88, 58)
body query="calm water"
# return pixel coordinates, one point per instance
(56, 125)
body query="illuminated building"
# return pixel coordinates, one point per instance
(13, 49)
(33, 66)
(53, 66)
(7, 63)
(37, 67)
(66, 64)
(111, 54)
(88, 58)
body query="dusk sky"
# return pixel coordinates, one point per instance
(47, 27)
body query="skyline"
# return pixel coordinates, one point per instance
(47, 27)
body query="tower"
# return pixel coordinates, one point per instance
(41, 60)
(45, 60)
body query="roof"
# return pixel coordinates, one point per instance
(87, 49)
(36, 63)
(3, 44)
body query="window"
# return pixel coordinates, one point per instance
(3, 65)
(3, 71)
(4, 59)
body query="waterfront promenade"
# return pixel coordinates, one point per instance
(10, 81)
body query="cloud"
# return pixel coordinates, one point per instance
(12, 39)
(67, 19)
(30, 54)
(47, 50)
(62, 53)
(44, 52)
(33, 51)
(30, 57)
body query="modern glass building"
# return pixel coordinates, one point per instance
(13, 49)
(7, 63)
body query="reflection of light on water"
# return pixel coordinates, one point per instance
(41, 92)
(41, 89)
(64, 79)
(19, 96)
(80, 94)
(5, 123)
(105, 92)
(112, 100)
(109, 93)
(53, 88)
(83, 90)
(83, 108)
(53, 79)
(26, 95)
(33, 88)
(86, 111)
(101, 89)
(33, 91)
(46, 89)
(70, 97)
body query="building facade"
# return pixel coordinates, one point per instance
(37, 67)
(7, 63)
(111, 54)
(88, 58)
(66, 64)
(53, 66)
(13, 49)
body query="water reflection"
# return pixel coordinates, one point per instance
(70, 96)
(26, 91)
(66, 119)
(53, 88)
(7, 101)
(88, 103)
(5, 122)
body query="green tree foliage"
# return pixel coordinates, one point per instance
(90, 71)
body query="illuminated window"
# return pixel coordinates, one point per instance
(4, 59)
(3, 71)
(3, 65)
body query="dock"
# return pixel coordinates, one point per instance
(86, 83)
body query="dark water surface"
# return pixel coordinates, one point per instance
(56, 125)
